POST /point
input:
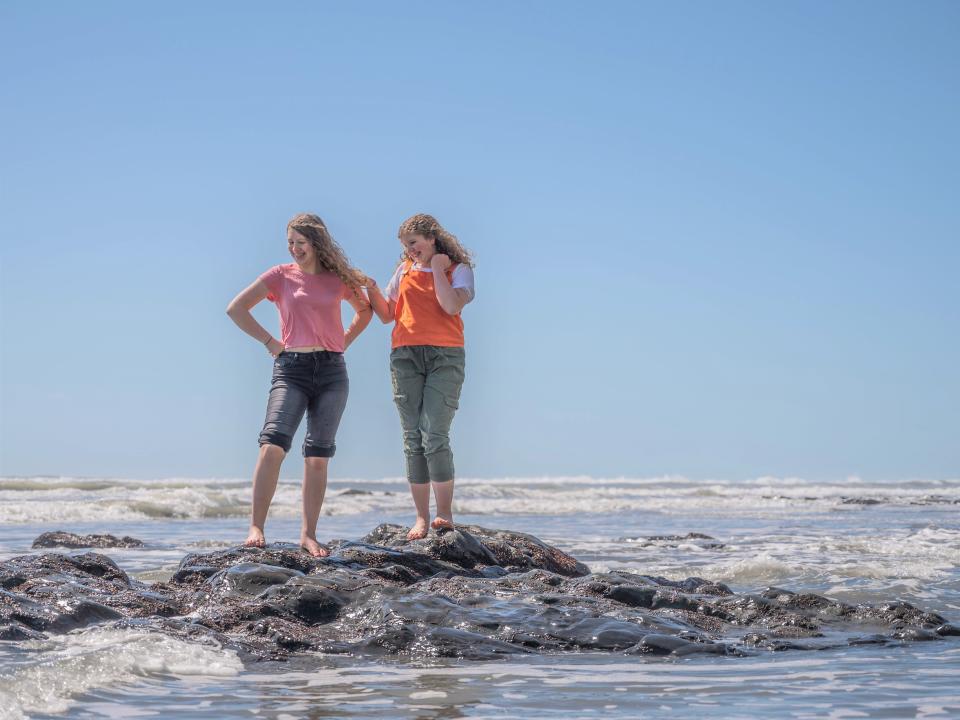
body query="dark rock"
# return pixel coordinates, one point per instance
(935, 500)
(30, 570)
(869, 640)
(463, 549)
(672, 541)
(632, 595)
(60, 538)
(454, 642)
(17, 611)
(469, 593)
(276, 554)
(673, 645)
(81, 614)
(694, 585)
(193, 575)
(251, 578)
(19, 631)
(364, 555)
(916, 634)
(512, 551)
(312, 600)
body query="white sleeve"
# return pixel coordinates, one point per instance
(393, 287)
(463, 278)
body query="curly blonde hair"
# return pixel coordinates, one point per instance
(329, 254)
(446, 242)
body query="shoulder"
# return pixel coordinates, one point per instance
(273, 274)
(463, 272)
(461, 278)
(392, 290)
(402, 268)
(282, 270)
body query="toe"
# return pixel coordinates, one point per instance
(417, 533)
(315, 549)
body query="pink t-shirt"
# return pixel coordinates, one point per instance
(309, 306)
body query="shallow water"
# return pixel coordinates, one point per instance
(855, 541)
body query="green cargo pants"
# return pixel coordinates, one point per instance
(426, 388)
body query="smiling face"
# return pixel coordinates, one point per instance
(301, 250)
(419, 248)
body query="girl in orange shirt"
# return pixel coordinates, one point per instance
(429, 288)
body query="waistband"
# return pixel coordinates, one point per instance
(309, 353)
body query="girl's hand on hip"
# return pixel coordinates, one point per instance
(439, 262)
(274, 347)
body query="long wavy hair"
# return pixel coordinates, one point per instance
(330, 255)
(446, 242)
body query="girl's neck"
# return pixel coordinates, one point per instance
(312, 268)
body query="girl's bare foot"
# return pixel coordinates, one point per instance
(255, 538)
(313, 547)
(419, 529)
(442, 523)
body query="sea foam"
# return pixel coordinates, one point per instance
(52, 500)
(52, 672)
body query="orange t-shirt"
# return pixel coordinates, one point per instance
(419, 318)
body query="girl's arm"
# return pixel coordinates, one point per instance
(239, 311)
(381, 306)
(361, 317)
(451, 299)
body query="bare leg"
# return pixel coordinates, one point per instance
(421, 499)
(314, 488)
(265, 477)
(443, 493)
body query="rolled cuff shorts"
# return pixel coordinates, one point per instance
(311, 382)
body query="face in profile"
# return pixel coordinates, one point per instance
(419, 247)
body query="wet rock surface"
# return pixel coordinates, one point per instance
(470, 593)
(59, 538)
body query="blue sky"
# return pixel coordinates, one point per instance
(713, 239)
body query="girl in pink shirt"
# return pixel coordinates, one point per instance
(309, 373)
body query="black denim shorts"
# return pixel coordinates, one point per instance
(311, 382)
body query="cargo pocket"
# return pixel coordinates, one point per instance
(399, 396)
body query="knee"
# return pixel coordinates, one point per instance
(435, 442)
(413, 441)
(269, 451)
(316, 463)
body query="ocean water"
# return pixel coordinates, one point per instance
(857, 541)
